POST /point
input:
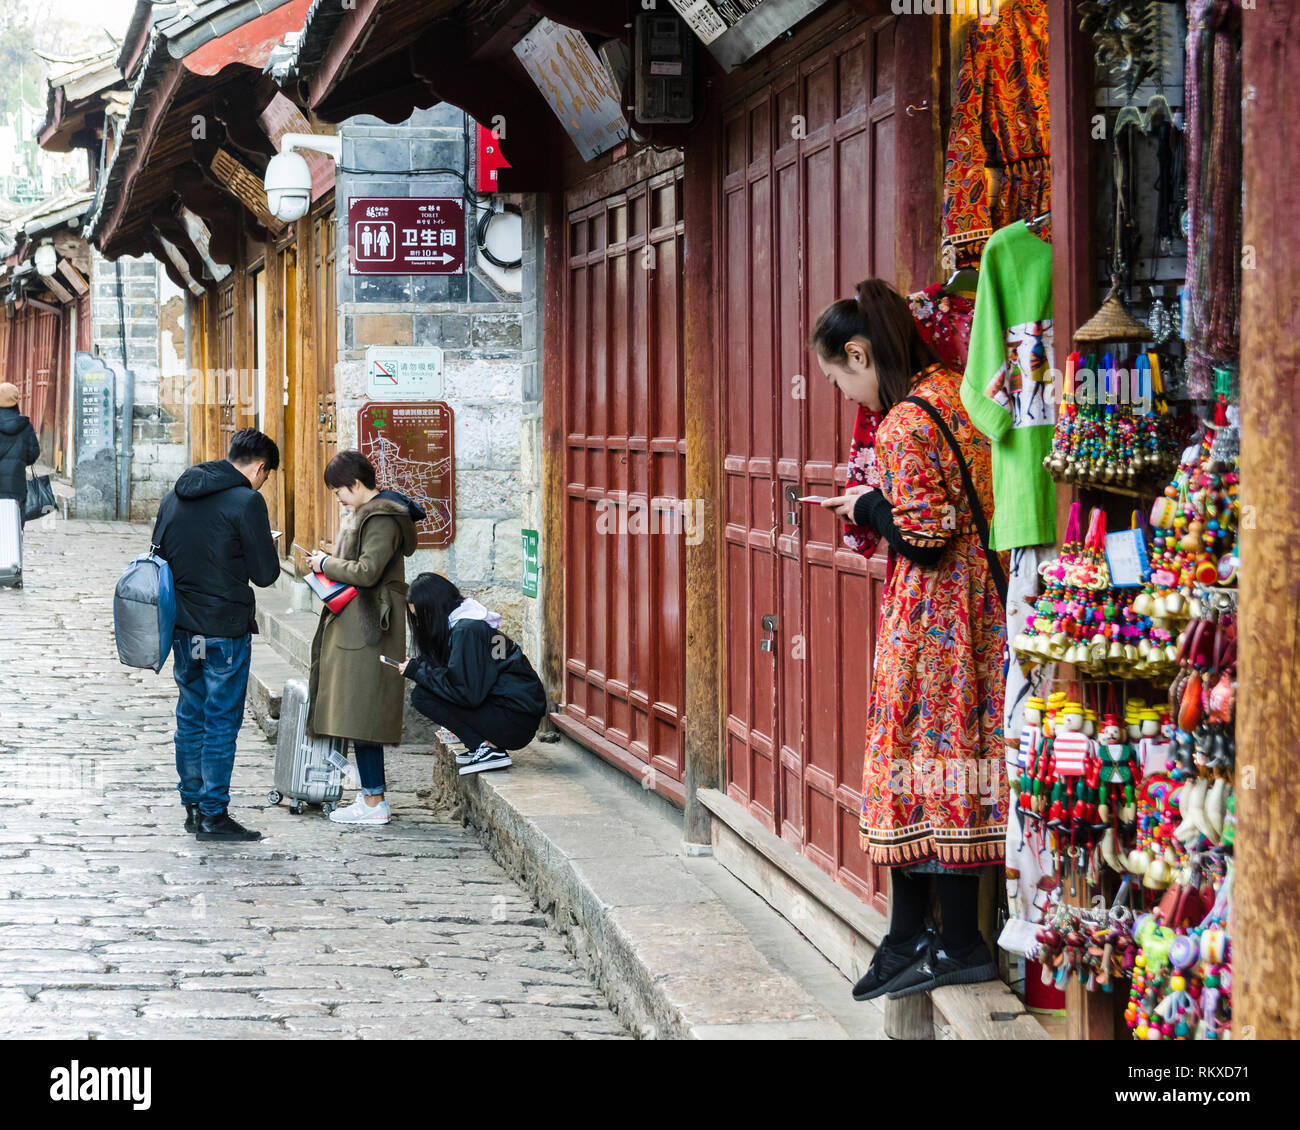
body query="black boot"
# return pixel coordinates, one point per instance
(935, 967)
(892, 958)
(223, 827)
(191, 817)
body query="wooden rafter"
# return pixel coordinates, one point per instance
(245, 186)
(74, 276)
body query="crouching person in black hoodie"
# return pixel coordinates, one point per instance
(470, 677)
(214, 532)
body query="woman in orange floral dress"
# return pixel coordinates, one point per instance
(934, 794)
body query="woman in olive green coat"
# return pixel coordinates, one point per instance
(353, 694)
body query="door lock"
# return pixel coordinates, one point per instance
(768, 624)
(792, 504)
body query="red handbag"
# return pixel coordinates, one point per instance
(333, 594)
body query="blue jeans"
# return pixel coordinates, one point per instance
(212, 674)
(370, 767)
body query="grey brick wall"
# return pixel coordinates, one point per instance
(488, 338)
(134, 298)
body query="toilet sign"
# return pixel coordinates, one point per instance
(400, 235)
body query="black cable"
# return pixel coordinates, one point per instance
(470, 194)
(484, 221)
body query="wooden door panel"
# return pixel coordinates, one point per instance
(625, 464)
(807, 214)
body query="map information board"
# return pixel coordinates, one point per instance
(411, 446)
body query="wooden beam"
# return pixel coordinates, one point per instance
(306, 520)
(918, 153)
(703, 723)
(59, 292)
(348, 37)
(272, 314)
(551, 550)
(74, 276)
(1089, 1016)
(245, 186)
(159, 103)
(1266, 944)
(1070, 95)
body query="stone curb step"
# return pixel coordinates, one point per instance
(667, 950)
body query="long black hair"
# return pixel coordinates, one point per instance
(881, 315)
(434, 599)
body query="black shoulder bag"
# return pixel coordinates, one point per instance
(972, 497)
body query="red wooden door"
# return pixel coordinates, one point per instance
(808, 211)
(625, 451)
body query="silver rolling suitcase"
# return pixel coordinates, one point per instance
(307, 770)
(11, 544)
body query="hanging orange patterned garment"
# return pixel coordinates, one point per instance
(1000, 123)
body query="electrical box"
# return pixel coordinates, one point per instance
(665, 70)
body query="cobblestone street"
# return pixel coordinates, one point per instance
(116, 923)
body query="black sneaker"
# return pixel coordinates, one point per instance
(934, 968)
(891, 960)
(485, 757)
(223, 827)
(191, 817)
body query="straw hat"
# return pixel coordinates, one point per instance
(1112, 322)
(8, 395)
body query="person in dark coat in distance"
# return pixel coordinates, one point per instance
(470, 676)
(19, 449)
(213, 531)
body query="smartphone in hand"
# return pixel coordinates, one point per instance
(389, 662)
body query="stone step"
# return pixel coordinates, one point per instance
(268, 673)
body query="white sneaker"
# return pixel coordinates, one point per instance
(485, 757)
(467, 755)
(359, 812)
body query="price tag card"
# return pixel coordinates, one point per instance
(1126, 557)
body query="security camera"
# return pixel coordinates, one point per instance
(288, 179)
(288, 187)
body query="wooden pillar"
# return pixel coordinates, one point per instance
(303, 374)
(703, 728)
(1089, 1016)
(1266, 946)
(1070, 98)
(919, 151)
(551, 583)
(272, 314)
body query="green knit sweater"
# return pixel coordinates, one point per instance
(1009, 388)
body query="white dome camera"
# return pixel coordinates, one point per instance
(288, 179)
(288, 187)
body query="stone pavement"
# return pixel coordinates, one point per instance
(116, 924)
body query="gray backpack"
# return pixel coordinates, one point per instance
(144, 612)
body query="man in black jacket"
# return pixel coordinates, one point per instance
(213, 531)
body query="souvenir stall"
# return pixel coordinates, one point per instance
(1121, 727)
